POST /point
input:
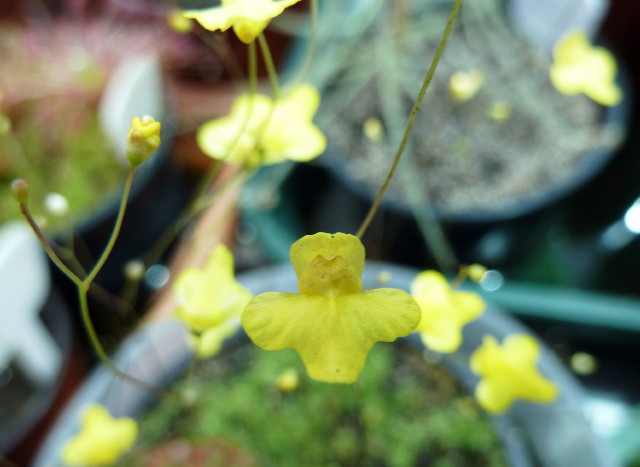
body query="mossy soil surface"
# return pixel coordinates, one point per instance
(404, 411)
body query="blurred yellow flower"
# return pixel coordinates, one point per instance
(464, 85)
(578, 67)
(444, 311)
(509, 372)
(260, 130)
(143, 139)
(210, 301)
(332, 323)
(247, 17)
(101, 440)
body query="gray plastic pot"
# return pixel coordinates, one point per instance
(552, 435)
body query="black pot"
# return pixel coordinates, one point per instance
(533, 435)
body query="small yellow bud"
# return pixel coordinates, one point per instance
(142, 140)
(373, 129)
(583, 363)
(134, 270)
(476, 272)
(288, 381)
(5, 124)
(500, 111)
(20, 190)
(179, 22)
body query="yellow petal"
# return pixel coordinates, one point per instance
(299, 142)
(572, 48)
(444, 311)
(210, 296)
(329, 278)
(301, 102)
(332, 335)
(248, 17)
(235, 138)
(291, 133)
(101, 439)
(580, 68)
(328, 246)
(213, 19)
(509, 373)
(210, 341)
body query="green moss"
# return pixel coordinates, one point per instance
(403, 412)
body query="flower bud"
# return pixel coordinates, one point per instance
(288, 381)
(20, 190)
(476, 272)
(179, 22)
(142, 140)
(134, 270)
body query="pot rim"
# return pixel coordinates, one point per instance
(546, 435)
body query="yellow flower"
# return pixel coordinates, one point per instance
(247, 17)
(580, 68)
(464, 85)
(509, 372)
(444, 311)
(262, 131)
(102, 439)
(210, 301)
(332, 323)
(142, 140)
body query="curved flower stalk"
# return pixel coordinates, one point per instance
(247, 17)
(331, 323)
(101, 440)
(210, 301)
(260, 130)
(508, 372)
(578, 67)
(444, 311)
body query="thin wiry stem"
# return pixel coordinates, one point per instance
(116, 229)
(268, 63)
(414, 111)
(313, 42)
